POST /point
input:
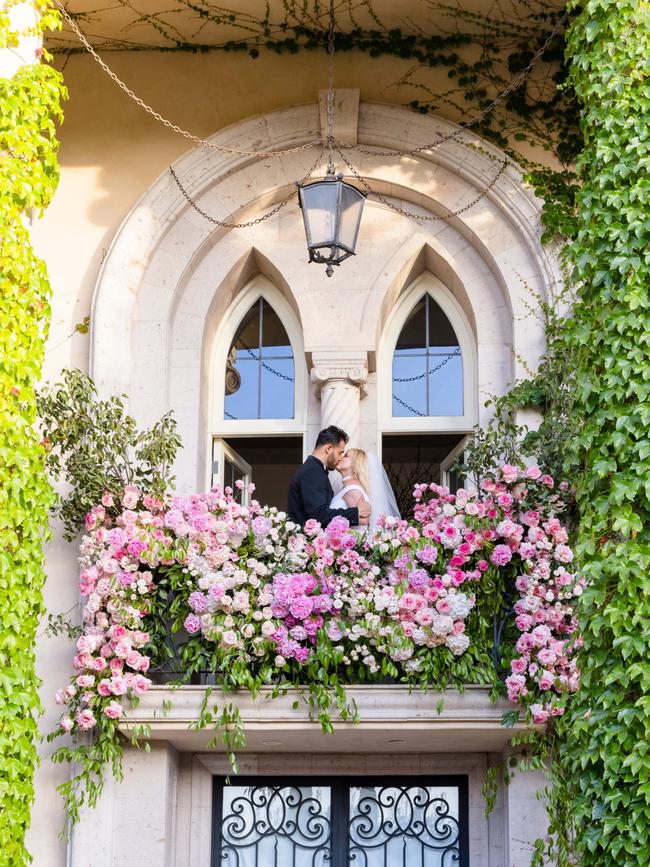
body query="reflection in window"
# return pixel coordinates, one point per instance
(259, 375)
(427, 365)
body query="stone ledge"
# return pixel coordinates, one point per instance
(392, 720)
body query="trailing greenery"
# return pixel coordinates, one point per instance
(96, 447)
(605, 749)
(29, 104)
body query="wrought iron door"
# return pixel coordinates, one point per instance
(340, 822)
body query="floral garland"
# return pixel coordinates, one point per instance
(260, 600)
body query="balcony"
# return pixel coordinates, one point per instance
(392, 719)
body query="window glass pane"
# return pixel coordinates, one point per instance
(277, 388)
(351, 205)
(413, 337)
(260, 374)
(428, 332)
(413, 826)
(409, 393)
(441, 332)
(276, 826)
(248, 333)
(275, 340)
(445, 385)
(319, 205)
(243, 403)
(231, 474)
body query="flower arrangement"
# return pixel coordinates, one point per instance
(256, 593)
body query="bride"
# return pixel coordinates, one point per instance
(364, 478)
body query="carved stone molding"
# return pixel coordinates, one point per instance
(332, 365)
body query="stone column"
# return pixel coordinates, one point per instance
(339, 378)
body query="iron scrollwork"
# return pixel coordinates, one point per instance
(402, 825)
(274, 826)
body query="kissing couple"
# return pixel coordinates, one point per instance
(366, 493)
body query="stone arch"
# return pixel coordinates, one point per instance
(169, 273)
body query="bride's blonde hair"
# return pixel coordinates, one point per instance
(360, 467)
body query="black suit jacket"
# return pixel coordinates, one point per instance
(310, 495)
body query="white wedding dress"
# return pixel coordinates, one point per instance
(382, 499)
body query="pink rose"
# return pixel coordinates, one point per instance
(140, 684)
(104, 688)
(113, 710)
(540, 716)
(546, 681)
(533, 473)
(85, 719)
(118, 685)
(66, 723)
(131, 497)
(509, 473)
(519, 665)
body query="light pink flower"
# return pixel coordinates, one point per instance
(113, 710)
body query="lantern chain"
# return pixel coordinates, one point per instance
(424, 218)
(224, 223)
(330, 90)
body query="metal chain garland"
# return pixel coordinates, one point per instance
(224, 223)
(159, 117)
(424, 218)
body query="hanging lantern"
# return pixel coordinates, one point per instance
(332, 210)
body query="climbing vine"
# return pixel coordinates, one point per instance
(29, 104)
(604, 753)
(479, 53)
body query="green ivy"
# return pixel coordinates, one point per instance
(605, 747)
(29, 103)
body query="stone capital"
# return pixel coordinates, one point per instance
(332, 365)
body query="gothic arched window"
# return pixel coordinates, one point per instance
(260, 371)
(427, 373)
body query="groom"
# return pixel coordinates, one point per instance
(310, 491)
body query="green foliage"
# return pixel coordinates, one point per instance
(96, 446)
(604, 752)
(29, 104)
(550, 391)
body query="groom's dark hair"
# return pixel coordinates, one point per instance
(331, 435)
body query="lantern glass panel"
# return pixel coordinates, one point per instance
(319, 209)
(351, 207)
